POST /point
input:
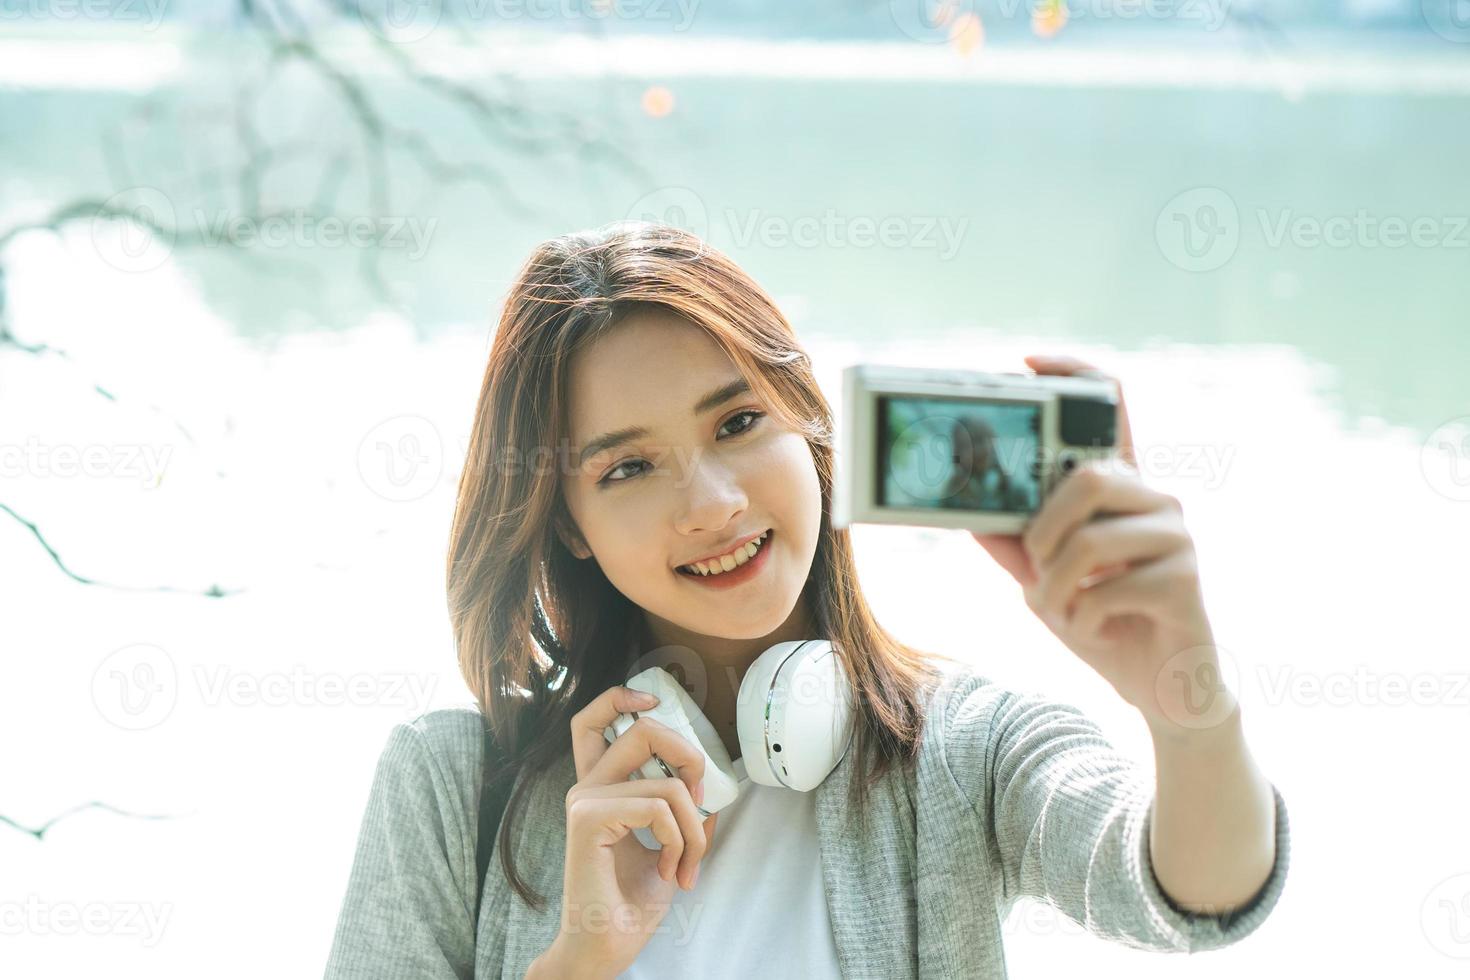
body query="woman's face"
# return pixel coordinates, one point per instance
(972, 445)
(694, 484)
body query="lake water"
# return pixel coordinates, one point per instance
(1216, 226)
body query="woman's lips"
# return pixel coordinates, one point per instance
(735, 576)
(740, 543)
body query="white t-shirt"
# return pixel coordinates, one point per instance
(759, 908)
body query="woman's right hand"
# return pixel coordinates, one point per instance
(615, 891)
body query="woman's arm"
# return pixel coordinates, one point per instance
(407, 912)
(1068, 820)
(1109, 566)
(1214, 816)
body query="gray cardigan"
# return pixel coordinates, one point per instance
(1013, 795)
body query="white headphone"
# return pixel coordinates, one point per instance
(793, 712)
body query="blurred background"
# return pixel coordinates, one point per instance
(251, 256)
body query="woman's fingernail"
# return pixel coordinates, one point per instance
(642, 697)
(699, 793)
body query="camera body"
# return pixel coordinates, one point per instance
(953, 448)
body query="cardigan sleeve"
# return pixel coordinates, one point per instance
(408, 909)
(1066, 820)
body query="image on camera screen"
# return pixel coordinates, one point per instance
(958, 454)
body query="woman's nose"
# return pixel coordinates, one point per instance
(712, 497)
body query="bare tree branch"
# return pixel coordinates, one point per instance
(213, 592)
(40, 832)
(504, 120)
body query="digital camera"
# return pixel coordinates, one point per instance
(951, 448)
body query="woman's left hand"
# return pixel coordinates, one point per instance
(1107, 565)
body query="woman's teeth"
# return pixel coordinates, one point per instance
(736, 558)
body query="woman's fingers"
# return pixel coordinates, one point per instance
(645, 739)
(603, 771)
(1082, 494)
(694, 842)
(1146, 589)
(595, 823)
(1104, 544)
(588, 742)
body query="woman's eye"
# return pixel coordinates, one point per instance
(609, 477)
(754, 417)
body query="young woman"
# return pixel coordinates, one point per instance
(646, 405)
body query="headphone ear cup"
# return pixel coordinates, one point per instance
(721, 784)
(795, 715)
(677, 710)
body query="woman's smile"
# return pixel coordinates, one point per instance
(738, 575)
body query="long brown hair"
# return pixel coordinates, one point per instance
(540, 633)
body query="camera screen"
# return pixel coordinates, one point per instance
(961, 454)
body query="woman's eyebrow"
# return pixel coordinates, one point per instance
(714, 399)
